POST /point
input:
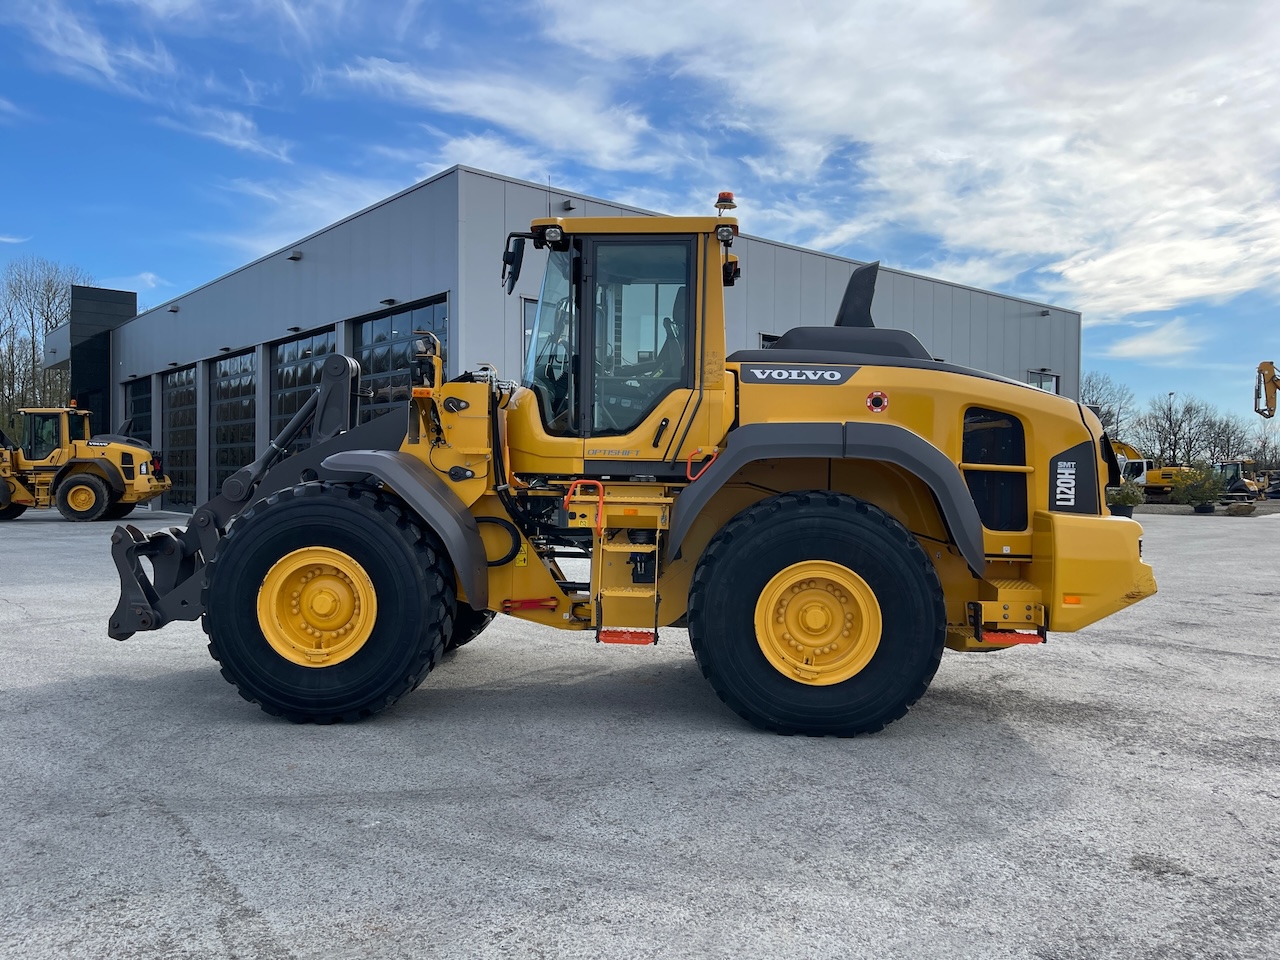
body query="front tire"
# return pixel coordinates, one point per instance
(327, 603)
(118, 511)
(83, 496)
(13, 511)
(817, 613)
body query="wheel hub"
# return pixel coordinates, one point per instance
(818, 622)
(81, 498)
(316, 607)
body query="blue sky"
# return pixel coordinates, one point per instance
(1119, 158)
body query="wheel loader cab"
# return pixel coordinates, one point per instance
(624, 377)
(42, 435)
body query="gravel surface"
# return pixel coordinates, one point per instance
(1112, 794)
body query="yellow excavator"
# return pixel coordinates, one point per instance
(1265, 389)
(1156, 481)
(61, 462)
(823, 516)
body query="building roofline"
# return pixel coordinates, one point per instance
(462, 168)
(916, 276)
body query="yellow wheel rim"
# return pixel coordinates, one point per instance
(817, 622)
(317, 607)
(81, 498)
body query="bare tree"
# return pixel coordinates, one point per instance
(35, 297)
(1264, 445)
(1114, 400)
(1175, 429)
(1228, 438)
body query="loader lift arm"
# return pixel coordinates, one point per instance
(172, 592)
(1264, 391)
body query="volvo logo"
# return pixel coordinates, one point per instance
(793, 373)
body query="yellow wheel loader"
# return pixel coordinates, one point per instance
(824, 516)
(61, 463)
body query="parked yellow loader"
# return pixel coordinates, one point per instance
(823, 516)
(60, 462)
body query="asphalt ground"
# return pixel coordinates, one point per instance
(1114, 793)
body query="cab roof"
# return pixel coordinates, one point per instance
(572, 225)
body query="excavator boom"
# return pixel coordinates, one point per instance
(1264, 392)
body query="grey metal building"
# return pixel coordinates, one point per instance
(209, 376)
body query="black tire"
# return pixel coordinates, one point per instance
(86, 487)
(118, 511)
(770, 537)
(13, 511)
(412, 582)
(468, 624)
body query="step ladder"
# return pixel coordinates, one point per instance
(629, 522)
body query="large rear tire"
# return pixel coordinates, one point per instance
(817, 613)
(468, 624)
(118, 511)
(83, 496)
(327, 603)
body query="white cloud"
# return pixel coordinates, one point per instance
(232, 128)
(1128, 150)
(1172, 340)
(489, 152)
(564, 119)
(77, 48)
(146, 280)
(4, 238)
(288, 210)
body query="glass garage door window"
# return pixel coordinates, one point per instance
(295, 374)
(179, 447)
(138, 409)
(232, 385)
(385, 346)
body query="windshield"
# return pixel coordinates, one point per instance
(551, 344)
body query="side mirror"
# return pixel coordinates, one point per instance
(512, 259)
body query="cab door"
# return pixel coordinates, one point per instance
(637, 362)
(43, 440)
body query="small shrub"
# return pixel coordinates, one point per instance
(1128, 494)
(1198, 484)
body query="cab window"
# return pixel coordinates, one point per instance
(641, 339)
(43, 435)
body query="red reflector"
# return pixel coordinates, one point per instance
(539, 603)
(622, 635)
(1011, 636)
